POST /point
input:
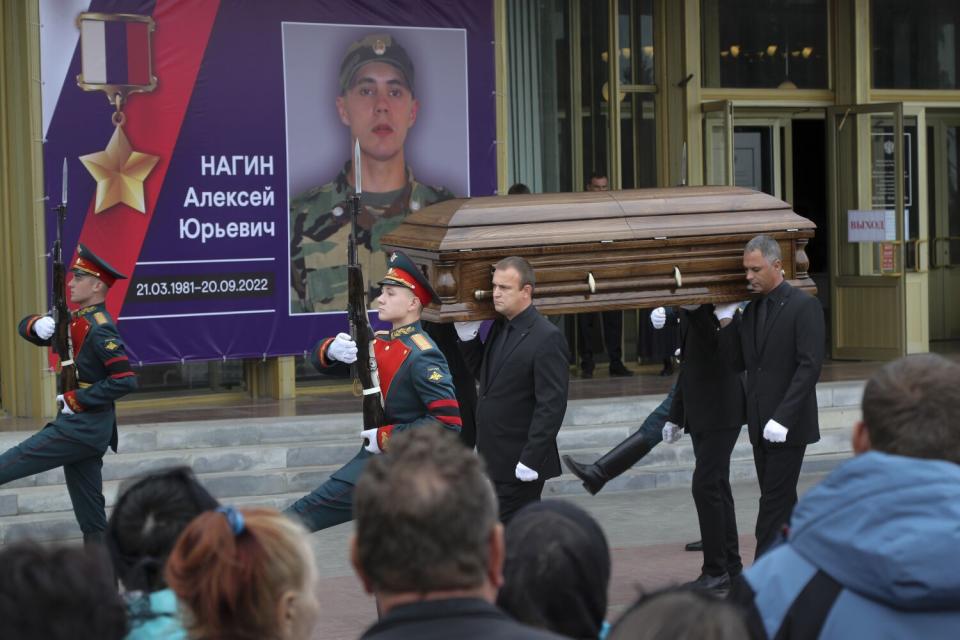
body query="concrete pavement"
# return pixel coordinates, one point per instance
(646, 531)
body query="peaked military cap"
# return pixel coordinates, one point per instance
(88, 262)
(402, 272)
(378, 47)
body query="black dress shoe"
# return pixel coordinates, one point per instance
(694, 546)
(618, 369)
(710, 583)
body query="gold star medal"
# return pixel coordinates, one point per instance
(119, 170)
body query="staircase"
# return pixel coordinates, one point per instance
(273, 461)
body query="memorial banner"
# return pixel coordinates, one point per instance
(209, 145)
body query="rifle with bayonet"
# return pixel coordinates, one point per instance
(364, 370)
(61, 342)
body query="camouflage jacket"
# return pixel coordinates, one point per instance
(319, 228)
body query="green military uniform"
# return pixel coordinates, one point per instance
(416, 388)
(77, 441)
(320, 224)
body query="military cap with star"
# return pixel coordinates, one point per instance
(402, 272)
(377, 47)
(90, 263)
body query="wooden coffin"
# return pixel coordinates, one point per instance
(596, 251)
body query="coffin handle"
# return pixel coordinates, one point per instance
(676, 276)
(591, 283)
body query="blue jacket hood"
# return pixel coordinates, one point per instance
(886, 527)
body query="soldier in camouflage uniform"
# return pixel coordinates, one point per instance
(378, 104)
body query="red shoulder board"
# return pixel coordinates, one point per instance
(390, 356)
(79, 328)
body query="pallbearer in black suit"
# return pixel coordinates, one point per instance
(523, 374)
(708, 404)
(782, 344)
(86, 422)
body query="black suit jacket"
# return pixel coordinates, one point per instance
(522, 398)
(709, 394)
(461, 618)
(783, 365)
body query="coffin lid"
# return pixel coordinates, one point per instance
(561, 218)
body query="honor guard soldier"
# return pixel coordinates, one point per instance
(86, 421)
(415, 385)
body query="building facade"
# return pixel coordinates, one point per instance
(822, 103)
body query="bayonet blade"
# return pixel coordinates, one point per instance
(358, 181)
(63, 194)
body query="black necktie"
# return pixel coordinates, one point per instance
(498, 348)
(763, 305)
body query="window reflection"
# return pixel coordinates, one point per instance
(764, 44)
(915, 44)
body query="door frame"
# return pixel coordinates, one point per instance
(863, 326)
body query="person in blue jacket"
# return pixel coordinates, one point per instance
(86, 422)
(871, 552)
(415, 384)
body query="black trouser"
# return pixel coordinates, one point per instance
(82, 465)
(513, 496)
(612, 333)
(778, 470)
(714, 500)
(465, 385)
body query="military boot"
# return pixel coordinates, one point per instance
(611, 464)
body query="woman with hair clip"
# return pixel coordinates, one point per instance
(148, 518)
(245, 573)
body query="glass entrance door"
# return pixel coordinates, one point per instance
(866, 197)
(944, 224)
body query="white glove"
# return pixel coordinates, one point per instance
(370, 438)
(467, 331)
(525, 473)
(774, 431)
(658, 317)
(343, 349)
(44, 327)
(671, 432)
(64, 407)
(726, 311)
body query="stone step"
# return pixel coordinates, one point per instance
(287, 452)
(273, 461)
(60, 526)
(643, 477)
(224, 485)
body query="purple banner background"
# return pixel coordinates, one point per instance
(237, 108)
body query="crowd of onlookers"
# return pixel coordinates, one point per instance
(870, 552)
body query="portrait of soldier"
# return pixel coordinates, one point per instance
(378, 105)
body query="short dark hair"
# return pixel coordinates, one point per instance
(682, 614)
(146, 521)
(521, 266)
(911, 408)
(557, 569)
(516, 188)
(58, 593)
(424, 515)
